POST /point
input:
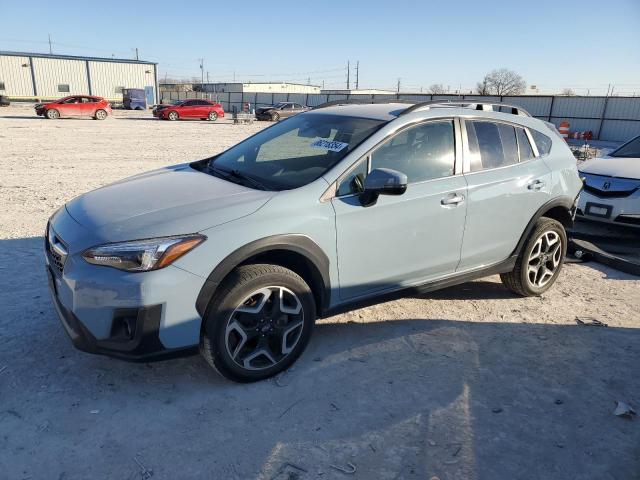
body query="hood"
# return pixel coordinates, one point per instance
(612, 167)
(169, 201)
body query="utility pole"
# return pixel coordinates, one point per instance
(348, 71)
(308, 80)
(398, 89)
(207, 76)
(50, 49)
(137, 54)
(357, 74)
(201, 71)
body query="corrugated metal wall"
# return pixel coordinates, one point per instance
(106, 76)
(50, 73)
(15, 73)
(612, 118)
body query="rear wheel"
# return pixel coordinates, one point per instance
(173, 116)
(100, 114)
(52, 114)
(540, 262)
(213, 116)
(258, 322)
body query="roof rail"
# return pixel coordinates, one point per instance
(359, 101)
(476, 104)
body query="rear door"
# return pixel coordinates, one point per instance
(507, 184)
(87, 106)
(408, 238)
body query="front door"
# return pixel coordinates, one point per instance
(405, 239)
(71, 107)
(507, 185)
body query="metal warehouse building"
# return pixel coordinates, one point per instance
(37, 76)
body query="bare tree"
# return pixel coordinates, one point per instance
(501, 82)
(437, 89)
(568, 92)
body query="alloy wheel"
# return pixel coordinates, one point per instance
(544, 259)
(101, 114)
(265, 328)
(213, 116)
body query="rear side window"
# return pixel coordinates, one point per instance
(542, 142)
(524, 147)
(491, 145)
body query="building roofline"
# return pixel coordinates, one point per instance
(74, 57)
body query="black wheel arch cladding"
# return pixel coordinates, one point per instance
(294, 251)
(559, 208)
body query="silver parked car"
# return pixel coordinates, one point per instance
(612, 186)
(333, 208)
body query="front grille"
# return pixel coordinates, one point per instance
(607, 193)
(609, 187)
(56, 250)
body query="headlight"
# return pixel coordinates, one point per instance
(143, 255)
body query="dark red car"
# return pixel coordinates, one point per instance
(75, 106)
(189, 108)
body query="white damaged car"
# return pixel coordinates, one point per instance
(612, 186)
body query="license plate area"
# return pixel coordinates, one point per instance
(598, 210)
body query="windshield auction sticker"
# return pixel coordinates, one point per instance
(331, 145)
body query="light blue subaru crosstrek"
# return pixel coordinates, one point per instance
(334, 208)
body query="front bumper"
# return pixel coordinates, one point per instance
(608, 209)
(134, 316)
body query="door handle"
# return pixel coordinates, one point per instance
(453, 199)
(536, 185)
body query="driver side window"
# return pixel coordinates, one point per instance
(423, 152)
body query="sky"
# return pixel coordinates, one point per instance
(583, 45)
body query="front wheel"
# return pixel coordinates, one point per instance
(540, 261)
(173, 116)
(52, 114)
(213, 116)
(100, 115)
(258, 322)
(275, 117)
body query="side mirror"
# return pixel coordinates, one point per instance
(382, 181)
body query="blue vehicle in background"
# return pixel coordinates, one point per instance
(134, 99)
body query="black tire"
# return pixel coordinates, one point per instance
(275, 117)
(231, 296)
(173, 115)
(520, 280)
(52, 114)
(213, 116)
(100, 114)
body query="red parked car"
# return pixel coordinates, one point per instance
(75, 106)
(189, 108)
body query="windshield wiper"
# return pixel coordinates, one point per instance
(237, 174)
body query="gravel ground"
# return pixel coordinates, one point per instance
(467, 383)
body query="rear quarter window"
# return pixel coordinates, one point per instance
(542, 142)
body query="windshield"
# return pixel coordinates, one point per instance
(629, 149)
(294, 152)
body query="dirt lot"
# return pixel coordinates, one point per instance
(467, 383)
